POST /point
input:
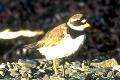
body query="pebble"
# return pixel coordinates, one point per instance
(2, 73)
(41, 70)
(110, 74)
(27, 63)
(116, 67)
(24, 74)
(107, 63)
(25, 78)
(9, 65)
(25, 70)
(14, 73)
(3, 65)
(46, 77)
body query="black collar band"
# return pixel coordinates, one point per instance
(74, 33)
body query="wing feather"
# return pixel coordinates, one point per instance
(53, 37)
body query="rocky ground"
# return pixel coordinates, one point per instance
(41, 69)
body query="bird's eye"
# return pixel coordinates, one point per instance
(79, 22)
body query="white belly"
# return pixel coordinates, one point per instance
(66, 47)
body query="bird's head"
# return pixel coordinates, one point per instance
(78, 22)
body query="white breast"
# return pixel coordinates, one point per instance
(66, 47)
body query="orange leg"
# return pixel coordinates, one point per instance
(63, 70)
(55, 67)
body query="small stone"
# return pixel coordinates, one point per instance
(13, 63)
(117, 74)
(3, 65)
(99, 73)
(14, 73)
(25, 78)
(8, 77)
(76, 64)
(38, 67)
(17, 67)
(24, 74)
(68, 71)
(107, 63)
(38, 74)
(110, 74)
(25, 69)
(9, 65)
(29, 75)
(116, 67)
(41, 70)
(2, 73)
(3, 69)
(27, 63)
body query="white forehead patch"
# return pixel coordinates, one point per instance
(84, 20)
(72, 20)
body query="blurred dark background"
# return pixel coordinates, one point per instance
(103, 15)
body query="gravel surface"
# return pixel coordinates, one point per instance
(41, 69)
